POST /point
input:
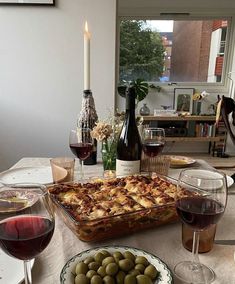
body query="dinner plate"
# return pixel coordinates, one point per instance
(181, 161)
(67, 273)
(16, 200)
(12, 269)
(42, 175)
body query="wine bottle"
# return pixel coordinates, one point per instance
(129, 143)
(87, 119)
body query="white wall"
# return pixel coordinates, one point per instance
(41, 73)
(214, 50)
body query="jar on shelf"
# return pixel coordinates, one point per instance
(144, 110)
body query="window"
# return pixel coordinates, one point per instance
(186, 51)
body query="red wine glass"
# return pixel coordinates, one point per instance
(203, 207)
(153, 141)
(26, 222)
(81, 144)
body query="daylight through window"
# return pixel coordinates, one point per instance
(172, 51)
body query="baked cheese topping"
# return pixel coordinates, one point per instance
(112, 197)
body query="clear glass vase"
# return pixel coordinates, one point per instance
(109, 155)
(144, 110)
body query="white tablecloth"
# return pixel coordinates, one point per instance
(165, 241)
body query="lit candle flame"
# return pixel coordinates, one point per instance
(86, 27)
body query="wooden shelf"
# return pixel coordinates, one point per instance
(190, 123)
(195, 139)
(179, 118)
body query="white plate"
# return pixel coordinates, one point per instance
(181, 161)
(66, 276)
(11, 269)
(16, 200)
(42, 175)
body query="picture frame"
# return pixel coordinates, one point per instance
(28, 2)
(183, 100)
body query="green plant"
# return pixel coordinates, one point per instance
(142, 51)
(141, 88)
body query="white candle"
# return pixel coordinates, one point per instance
(87, 37)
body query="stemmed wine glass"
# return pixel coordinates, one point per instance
(26, 222)
(81, 144)
(153, 141)
(203, 207)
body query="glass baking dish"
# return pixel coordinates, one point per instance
(102, 228)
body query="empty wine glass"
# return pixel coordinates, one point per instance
(201, 208)
(153, 141)
(81, 144)
(26, 222)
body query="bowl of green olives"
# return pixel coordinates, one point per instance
(115, 265)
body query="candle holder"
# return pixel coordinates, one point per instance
(88, 116)
(109, 174)
(87, 119)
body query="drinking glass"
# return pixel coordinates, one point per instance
(153, 141)
(202, 208)
(81, 144)
(26, 222)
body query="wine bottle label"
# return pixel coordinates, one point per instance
(124, 168)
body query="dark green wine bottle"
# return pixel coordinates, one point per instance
(129, 143)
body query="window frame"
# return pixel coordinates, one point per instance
(211, 87)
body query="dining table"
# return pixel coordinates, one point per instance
(163, 241)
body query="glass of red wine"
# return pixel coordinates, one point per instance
(81, 144)
(203, 207)
(153, 141)
(26, 222)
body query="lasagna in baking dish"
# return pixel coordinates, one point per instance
(105, 208)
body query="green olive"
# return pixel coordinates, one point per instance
(101, 271)
(115, 268)
(81, 279)
(130, 279)
(140, 267)
(120, 276)
(108, 260)
(108, 280)
(128, 254)
(96, 279)
(116, 259)
(81, 268)
(134, 272)
(143, 279)
(105, 253)
(88, 260)
(118, 254)
(90, 273)
(111, 269)
(126, 264)
(141, 260)
(93, 265)
(99, 256)
(151, 272)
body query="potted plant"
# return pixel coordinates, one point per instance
(141, 88)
